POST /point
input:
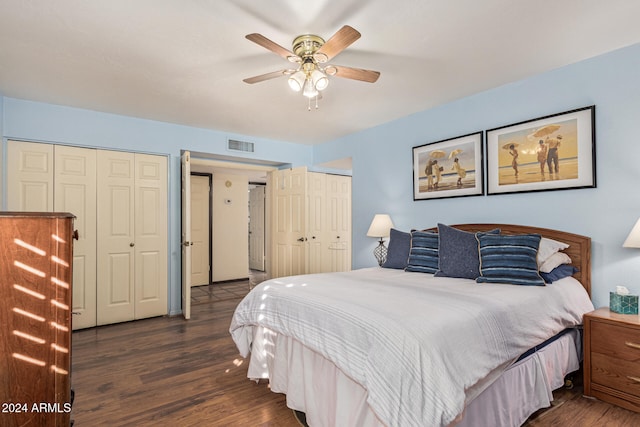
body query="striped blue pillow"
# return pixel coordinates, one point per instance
(423, 256)
(509, 259)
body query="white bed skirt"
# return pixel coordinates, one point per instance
(328, 397)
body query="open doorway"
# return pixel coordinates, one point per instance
(230, 190)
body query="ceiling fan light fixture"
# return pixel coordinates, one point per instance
(320, 80)
(297, 80)
(309, 89)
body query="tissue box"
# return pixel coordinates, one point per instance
(623, 304)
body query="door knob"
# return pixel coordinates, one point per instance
(132, 244)
(186, 244)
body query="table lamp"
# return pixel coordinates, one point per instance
(633, 239)
(380, 227)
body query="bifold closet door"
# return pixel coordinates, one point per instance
(132, 236)
(151, 248)
(75, 191)
(116, 238)
(58, 178)
(339, 222)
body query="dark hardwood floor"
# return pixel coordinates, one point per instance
(167, 371)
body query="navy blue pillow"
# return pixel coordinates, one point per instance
(509, 259)
(458, 253)
(398, 250)
(560, 272)
(423, 256)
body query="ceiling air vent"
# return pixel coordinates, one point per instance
(234, 145)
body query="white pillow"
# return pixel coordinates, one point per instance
(547, 248)
(553, 261)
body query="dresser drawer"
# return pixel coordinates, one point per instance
(616, 341)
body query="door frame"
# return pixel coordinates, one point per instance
(204, 159)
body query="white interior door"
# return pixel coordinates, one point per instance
(316, 213)
(200, 230)
(116, 237)
(185, 160)
(75, 192)
(150, 250)
(339, 222)
(256, 228)
(289, 222)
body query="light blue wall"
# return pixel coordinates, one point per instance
(382, 164)
(382, 171)
(34, 121)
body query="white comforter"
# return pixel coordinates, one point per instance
(418, 344)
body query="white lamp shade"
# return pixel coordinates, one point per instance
(320, 81)
(633, 239)
(380, 226)
(296, 81)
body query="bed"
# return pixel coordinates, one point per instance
(386, 347)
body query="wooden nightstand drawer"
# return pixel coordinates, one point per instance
(619, 342)
(615, 373)
(612, 358)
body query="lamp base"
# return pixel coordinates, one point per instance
(380, 252)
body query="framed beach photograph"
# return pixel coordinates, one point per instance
(448, 168)
(555, 152)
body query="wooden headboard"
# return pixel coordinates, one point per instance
(579, 249)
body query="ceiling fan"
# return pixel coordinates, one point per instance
(311, 54)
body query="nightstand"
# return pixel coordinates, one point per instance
(612, 357)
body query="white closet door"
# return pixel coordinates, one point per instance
(317, 213)
(116, 236)
(75, 192)
(150, 236)
(289, 227)
(29, 176)
(339, 222)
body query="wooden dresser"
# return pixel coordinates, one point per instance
(612, 357)
(35, 316)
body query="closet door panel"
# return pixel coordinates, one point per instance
(151, 282)
(29, 176)
(116, 238)
(339, 222)
(75, 192)
(316, 223)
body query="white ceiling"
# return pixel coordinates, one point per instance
(183, 61)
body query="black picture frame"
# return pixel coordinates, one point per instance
(460, 163)
(554, 152)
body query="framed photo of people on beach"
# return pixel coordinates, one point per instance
(448, 168)
(555, 152)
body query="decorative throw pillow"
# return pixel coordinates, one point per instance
(398, 250)
(554, 261)
(458, 253)
(549, 247)
(423, 255)
(560, 272)
(509, 259)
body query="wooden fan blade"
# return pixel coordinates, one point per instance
(338, 42)
(263, 77)
(368, 76)
(272, 46)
